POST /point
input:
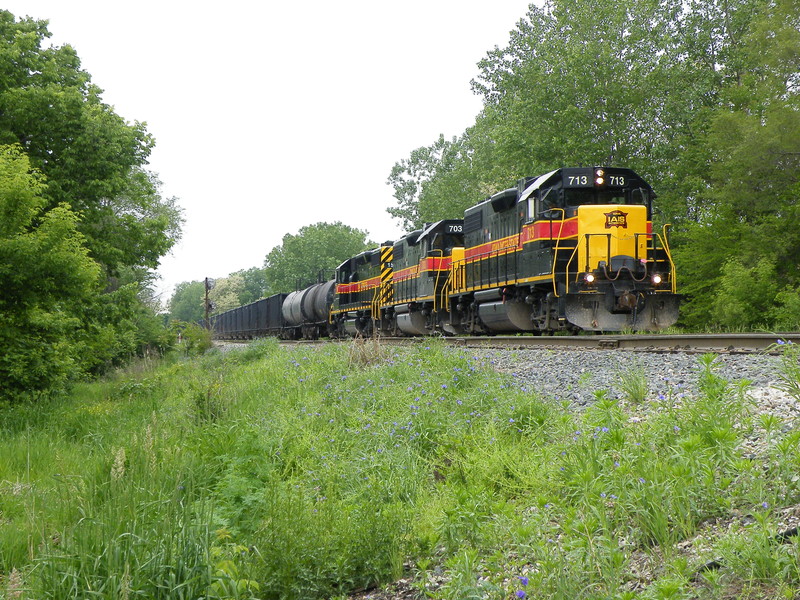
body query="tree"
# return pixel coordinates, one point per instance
(46, 278)
(435, 183)
(740, 257)
(239, 288)
(227, 292)
(570, 88)
(93, 160)
(701, 98)
(315, 250)
(91, 185)
(255, 285)
(187, 302)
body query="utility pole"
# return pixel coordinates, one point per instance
(209, 306)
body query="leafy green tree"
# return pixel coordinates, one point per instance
(93, 159)
(745, 295)
(753, 182)
(435, 182)
(46, 277)
(239, 288)
(93, 180)
(255, 285)
(187, 303)
(315, 250)
(608, 91)
(227, 292)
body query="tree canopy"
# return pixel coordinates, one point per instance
(187, 302)
(313, 251)
(93, 160)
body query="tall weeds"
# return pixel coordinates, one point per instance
(311, 472)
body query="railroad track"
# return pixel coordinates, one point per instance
(698, 343)
(734, 343)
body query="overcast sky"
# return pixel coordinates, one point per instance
(269, 116)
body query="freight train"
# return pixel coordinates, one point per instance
(570, 250)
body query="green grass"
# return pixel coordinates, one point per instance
(312, 472)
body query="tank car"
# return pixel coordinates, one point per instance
(305, 312)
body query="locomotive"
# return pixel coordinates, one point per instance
(573, 249)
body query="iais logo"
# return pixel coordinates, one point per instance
(616, 218)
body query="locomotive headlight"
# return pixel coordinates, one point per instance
(656, 279)
(589, 278)
(599, 177)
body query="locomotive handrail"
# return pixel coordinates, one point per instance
(456, 280)
(375, 304)
(480, 263)
(437, 301)
(569, 262)
(672, 270)
(447, 288)
(556, 248)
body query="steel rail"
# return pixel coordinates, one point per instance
(695, 343)
(690, 343)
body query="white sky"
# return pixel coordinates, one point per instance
(269, 116)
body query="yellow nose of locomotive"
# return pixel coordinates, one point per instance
(611, 231)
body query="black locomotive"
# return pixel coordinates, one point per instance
(573, 249)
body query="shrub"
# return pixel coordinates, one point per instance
(195, 340)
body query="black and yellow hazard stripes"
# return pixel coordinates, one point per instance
(387, 268)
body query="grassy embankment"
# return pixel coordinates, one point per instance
(309, 473)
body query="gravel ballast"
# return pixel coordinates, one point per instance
(574, 376)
